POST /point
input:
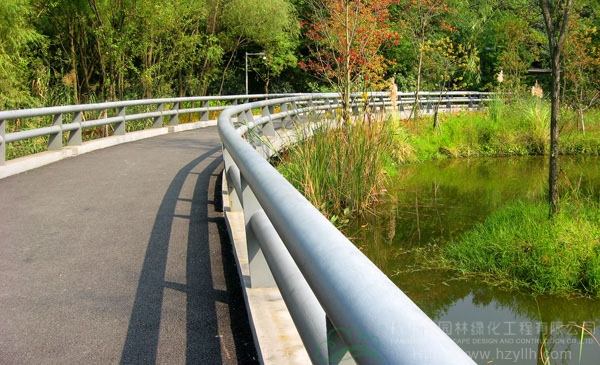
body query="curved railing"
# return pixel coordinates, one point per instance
(336, 296)
(67, 123)
(339, 300)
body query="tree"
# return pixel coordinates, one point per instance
(345, 39)
(270, 25)
(556, 19)
(581, 66)
(449, 65)
(16, 37)
(417, 19)
(516, 48)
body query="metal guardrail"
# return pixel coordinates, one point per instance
(339, 300)
(167, 111)
(337, 297)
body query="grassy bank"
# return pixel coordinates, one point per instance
(518, 246)
(516, 128)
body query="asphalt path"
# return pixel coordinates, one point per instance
(122, 256)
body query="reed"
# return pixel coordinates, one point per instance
(342, 169)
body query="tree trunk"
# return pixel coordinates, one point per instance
(556, 19)
(74, 64)
(417, 106)
(554, 117)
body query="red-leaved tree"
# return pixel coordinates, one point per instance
(345, 39)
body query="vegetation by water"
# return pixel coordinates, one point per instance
(344, 169)
(508, 128)
(341, 170)
(519, 246)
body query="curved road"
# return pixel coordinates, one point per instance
(121, 256)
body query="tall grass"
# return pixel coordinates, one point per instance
(341, 169)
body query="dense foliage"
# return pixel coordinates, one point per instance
(77, 51)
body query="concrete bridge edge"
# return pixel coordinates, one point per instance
(275, 336)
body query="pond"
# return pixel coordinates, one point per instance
(437, 201)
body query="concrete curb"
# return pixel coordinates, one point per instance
(27, 163)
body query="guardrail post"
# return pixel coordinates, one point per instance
(158, 121)
(338, 352)
(232, 174)
(268, 128)
(249, 116)
(204, 115)
(470, 101)
(260, 274)
(2, 142)
(55, 140)
(355, 110)
(286, 120)
(75, 138)
(120, 127)
(175, 117)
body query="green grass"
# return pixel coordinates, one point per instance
(507, 128)
(519, 246)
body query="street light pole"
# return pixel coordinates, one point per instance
(251, 54)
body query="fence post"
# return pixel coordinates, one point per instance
(285, 120)
(204, 115)
(232, 174)
(268, 128)
(75, 138)
(55, 140)
(158, 121)
(2, 142)
(120, 127)
(354, 103)
(249, 116)
(260, 274)
(175, 117)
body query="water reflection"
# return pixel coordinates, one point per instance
(437, 201)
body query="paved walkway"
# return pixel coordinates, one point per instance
(121, 256)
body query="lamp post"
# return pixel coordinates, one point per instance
(252, 54)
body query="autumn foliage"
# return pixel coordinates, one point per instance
(345, 40)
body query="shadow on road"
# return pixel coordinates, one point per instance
(217, 329)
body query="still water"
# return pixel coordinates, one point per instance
(437, 201)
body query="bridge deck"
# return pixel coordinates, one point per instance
(121, 255)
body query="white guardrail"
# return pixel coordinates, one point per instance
(335, 294)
